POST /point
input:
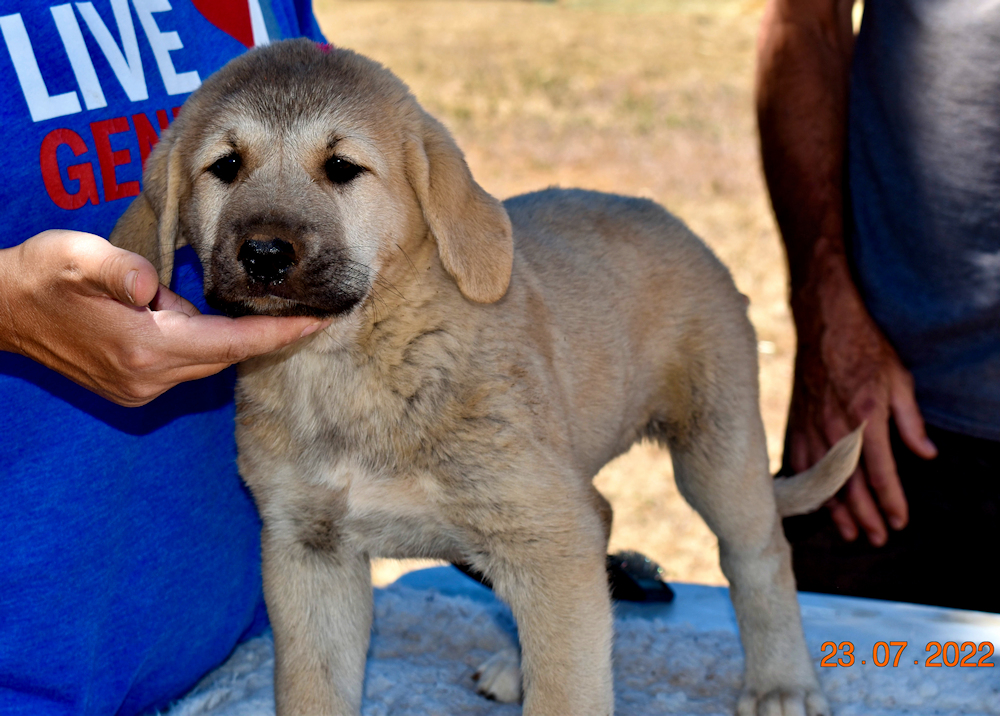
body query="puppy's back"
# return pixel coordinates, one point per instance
(634, 305)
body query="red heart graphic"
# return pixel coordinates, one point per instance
(230, 16)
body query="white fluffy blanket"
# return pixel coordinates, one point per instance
(434, 627)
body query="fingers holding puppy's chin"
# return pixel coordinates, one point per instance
(130, 357)
(203, 342)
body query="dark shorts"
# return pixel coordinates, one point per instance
(946, 555)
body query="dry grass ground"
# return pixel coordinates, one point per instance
(644, 97)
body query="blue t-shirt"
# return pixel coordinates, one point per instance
(129, 548)
(924, 176)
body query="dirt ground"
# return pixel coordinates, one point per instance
(645, 97)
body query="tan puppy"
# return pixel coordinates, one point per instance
(485, 361)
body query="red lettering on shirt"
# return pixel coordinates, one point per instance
(83, 173)
(110, 159)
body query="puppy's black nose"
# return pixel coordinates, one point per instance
(266, 261)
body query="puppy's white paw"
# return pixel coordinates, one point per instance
(780, 702)
(499, 677)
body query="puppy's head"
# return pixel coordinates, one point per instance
(300, 174)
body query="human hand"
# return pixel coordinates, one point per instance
(847, 373)
(98, 315)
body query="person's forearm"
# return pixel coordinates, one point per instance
(804, 54)
(846, 373)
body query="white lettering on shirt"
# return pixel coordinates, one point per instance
(127, 66)
(122, 55)
(162, 43)
(257, 24)
(79, 58)
(41, 104)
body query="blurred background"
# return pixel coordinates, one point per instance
(652, 98)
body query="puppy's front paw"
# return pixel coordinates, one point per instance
(781, 702)
(499, 677)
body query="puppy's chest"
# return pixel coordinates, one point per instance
(396, 441)
(398, 416)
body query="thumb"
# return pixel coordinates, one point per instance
(126, 277)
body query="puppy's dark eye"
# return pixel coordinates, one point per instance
(227, 168)
(341, 171)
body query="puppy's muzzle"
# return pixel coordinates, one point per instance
(281, 267)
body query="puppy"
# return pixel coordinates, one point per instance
(485, 361)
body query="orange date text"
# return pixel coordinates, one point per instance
(951, 653)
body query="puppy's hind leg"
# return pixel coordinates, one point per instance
(723, 473)
(499, 677)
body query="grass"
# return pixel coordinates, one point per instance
(644, 97)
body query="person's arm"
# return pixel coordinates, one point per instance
(845, 370)
(98, 315)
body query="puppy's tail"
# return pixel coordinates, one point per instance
(808, 490)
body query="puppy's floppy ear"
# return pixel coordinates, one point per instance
(151, 224)
(471, 228)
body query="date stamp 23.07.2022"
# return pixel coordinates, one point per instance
(890, 653)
